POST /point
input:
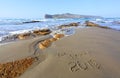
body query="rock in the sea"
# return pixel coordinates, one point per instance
(34, 21)
(42, 32)
(36, 32)
(88, 23)
(91, 24)
(69, 25)
(74, 24)
(23, 36)
(45, 31)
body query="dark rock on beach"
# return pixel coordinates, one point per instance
(91, 24)
(69, 25)
(34, 21)
(88, 23)
(42, 32)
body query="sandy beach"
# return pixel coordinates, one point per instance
(90, 53)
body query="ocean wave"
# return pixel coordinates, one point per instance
(16, 26)
(0, 38)
(19, 32)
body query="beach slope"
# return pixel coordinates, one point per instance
(89, 53)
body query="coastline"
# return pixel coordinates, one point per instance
(89, 53)
(12, 27)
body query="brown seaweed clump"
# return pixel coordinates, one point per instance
(15, 68)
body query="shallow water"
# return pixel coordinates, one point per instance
(16, 26)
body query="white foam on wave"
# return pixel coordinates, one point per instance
(47, 23)
(65, 31)
(27, 30)
(0, 38)
(99, 19)
(20, 31)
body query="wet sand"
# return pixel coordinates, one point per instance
(89, 53)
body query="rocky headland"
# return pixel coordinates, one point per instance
(69, 15)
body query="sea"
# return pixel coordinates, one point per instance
(11, 26)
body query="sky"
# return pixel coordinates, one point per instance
(38, 8)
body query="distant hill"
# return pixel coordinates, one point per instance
(68, 15)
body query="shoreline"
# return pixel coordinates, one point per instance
(84, 52)
(40, 32)
(73, 25)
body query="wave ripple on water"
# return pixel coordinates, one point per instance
(16, 26)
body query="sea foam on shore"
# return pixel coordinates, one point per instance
(10, 27)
